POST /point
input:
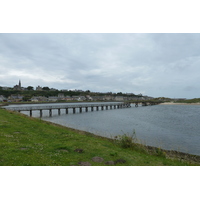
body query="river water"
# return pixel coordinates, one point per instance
(172, 127)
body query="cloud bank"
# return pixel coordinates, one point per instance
(151, 64)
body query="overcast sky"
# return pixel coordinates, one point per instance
(152, 64)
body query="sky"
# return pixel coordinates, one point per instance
(157, 65)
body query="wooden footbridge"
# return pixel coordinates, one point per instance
(75, 108)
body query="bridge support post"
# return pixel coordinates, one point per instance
(106, 107)
(30, 113)
(74, 110)
(40, 113)
(58, 111)
(114, 106)
(86, 109)
(102, 107)
(92, 108)
(97, 108)
(66, 110)
(111, 107)
(80, 110)
(50, 112)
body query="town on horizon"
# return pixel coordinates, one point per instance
(18, 93)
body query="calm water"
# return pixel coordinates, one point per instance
(174, 127)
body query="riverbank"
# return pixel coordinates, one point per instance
(29, 141)
(172, 103)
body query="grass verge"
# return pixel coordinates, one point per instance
(26, 141)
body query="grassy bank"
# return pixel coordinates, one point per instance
(33, 142)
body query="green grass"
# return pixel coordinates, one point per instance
(195, 100)
(28, 141)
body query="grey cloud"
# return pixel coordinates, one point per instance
(156, 64)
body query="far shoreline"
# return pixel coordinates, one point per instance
(172, 103)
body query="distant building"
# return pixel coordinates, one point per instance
(39, 99)
(81, 98)
(15, 98)
(18, 87)
(2, 98)
(38, 88)
(68, 98)
(119, 98)
(97, 98)
(6, 88)
(61, 95)
(53, 98)
(88, 97)
(108, 97)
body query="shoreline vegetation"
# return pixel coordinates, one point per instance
(26, 141)
(174, 103)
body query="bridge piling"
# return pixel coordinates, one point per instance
(50, 112)
(30, 113)
(58, 111)
(40, 113)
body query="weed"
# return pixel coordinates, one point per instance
(125, 140)
(160, 152)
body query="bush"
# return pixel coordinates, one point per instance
(126, 141)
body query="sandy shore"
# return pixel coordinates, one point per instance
(172, 103)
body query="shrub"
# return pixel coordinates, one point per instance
(125, 140)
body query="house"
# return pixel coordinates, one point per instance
(39, 98)
(108, 98)
(75, 98)
(15, 98)
(2, 98)
(119, 98)
(68, 98)
(81, 98)
(98, 98)
(53, 98)
(61, 96)
(89, 98)
(38, 88)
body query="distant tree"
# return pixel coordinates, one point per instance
(0, 88)
(119, 93)
(30, 88)
(46, 88)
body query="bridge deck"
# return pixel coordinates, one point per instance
(29, 108)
